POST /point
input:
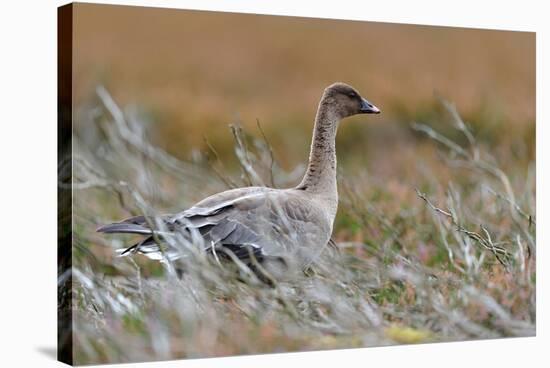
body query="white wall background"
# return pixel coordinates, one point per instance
(28, 171)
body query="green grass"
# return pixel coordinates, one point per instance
(435, 243)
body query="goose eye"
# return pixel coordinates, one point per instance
(352, 95)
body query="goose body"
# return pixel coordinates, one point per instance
(259, 222)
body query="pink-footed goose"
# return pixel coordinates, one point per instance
(260, 223)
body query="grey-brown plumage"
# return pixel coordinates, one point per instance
(260, 222)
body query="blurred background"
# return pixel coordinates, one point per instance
(193, 73)
(156, 92)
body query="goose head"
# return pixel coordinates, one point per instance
(345, 101)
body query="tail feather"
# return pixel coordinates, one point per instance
(124, 228)
(146, 245)
(149, 248)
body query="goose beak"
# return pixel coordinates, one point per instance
(368, 108)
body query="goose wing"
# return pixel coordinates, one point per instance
(259, 221)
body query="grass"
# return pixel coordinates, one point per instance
(437, 243)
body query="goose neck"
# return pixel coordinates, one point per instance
(320, 176)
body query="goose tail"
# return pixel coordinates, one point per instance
(120, 228)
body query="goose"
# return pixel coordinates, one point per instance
(258, 224)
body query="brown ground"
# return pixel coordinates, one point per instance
(195, 72)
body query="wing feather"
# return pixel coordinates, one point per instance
(237, 221)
